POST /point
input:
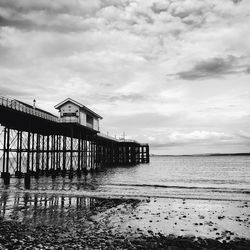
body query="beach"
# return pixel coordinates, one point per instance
(153, 223)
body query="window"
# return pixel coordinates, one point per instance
(89, 119)
(69, 114)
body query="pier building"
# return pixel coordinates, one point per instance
(73, 111)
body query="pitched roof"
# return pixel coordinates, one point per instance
(79, 105)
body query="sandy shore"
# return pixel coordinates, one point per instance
(126, 224)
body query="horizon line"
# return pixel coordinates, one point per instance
(206, 154)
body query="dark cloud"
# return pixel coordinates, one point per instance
(57, 23)
(27, 6)
(20, 24)
(60, 16)
(236, 1)
(214, 67)
(159, 7)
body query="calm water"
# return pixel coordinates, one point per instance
(210, 177)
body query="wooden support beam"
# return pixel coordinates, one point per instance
(17, 153)
(37, 155)
(82, 153)
(20, 150)
(7, 151)
(64, 156)
(47, 155)
(4, 151)
(32, 152)
(28, 153)
(59, 148)
(43, 148)
(79, 156)
(71, 154)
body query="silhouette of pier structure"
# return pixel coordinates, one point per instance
(36, 142)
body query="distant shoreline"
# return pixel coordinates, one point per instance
(215, 154)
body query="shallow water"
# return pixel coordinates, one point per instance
(196, 177)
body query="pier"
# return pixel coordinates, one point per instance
(35, 142)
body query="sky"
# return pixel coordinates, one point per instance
(172, 73)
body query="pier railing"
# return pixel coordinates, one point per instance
(16, 105)
(69, 119)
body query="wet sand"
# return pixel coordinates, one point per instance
(42, 221)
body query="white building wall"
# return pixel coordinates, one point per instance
(83, 118)
(68, 108)
(96, 124)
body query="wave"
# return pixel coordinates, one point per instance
(214, 189)
(137, 196)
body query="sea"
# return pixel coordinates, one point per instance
(183, 177)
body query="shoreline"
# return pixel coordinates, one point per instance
(106, 195)
(121, 224)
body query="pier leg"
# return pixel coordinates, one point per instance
(42, 165)
(6, 178)
(6, 174)
(91, 156)
(147, 154)
(7, 154)
(53, 149)
(27, 180)
(18, 172)
(85, 155)
(71, 155)
(27, 174)
(47, 157)
(97, 155)
(21, 152)
(28, 154)
(17, 153)
(64, 157)
(79, 158)
(58, 158)
(82, 155)
(4, 152)
(32, 153)
(37, 173)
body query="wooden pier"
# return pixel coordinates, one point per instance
(36, 143)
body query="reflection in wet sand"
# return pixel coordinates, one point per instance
(43, 208)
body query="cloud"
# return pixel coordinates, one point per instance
(244, 135)
(186, 8)
(215, 67)
(127, 98)
(198, 137)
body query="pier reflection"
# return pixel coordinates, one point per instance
(34, 208)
